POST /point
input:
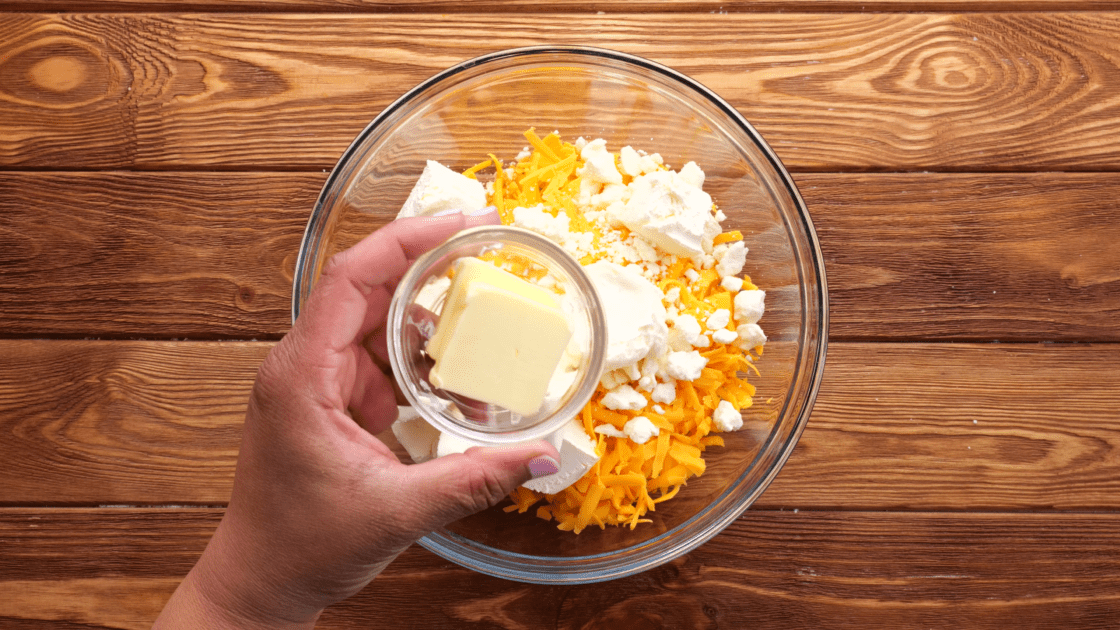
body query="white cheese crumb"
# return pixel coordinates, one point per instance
(702, 342)
(598, 163)
(639, 429)
(610, 430)
(725, 336)
(692, 275)
(658, 409)
(685, 332)
(750, 336)
(664, 393)
(750, 306)
(623, 397)
(692, 174)
(733, 284)
(718, 319)
(631, 161)
(685, 366)
(725, 418)
(731, 262)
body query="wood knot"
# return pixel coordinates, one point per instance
(58, 74)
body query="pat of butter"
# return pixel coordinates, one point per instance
(499, 338)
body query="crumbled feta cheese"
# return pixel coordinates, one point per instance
(750, 306)
(724, 336)
(684, 333)
(658, 409)
(685, 366)
(720, 216)
(726, 418)
(639, 429)
(718, 319)
(731, 262)
(692, 275)
(651, 163)
(612, 379)
(631, 161)
(441, 189)
(702, 342)
(750, 336)
(598, 163)
(610, 430)
(692, 174)
(673, 295)
(733, 284)
(664, 393)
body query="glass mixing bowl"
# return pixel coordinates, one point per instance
(483, 106)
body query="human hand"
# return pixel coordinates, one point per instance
(320, 506)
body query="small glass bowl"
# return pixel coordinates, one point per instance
(414, 314)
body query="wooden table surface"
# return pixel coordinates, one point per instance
(961, 469)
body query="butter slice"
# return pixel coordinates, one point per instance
(499, 338)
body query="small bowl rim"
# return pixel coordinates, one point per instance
(604, 566)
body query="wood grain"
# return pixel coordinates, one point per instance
(767, 570)
(100, 422)
(895, 427)
(165, 255)
(565, 6)
(1005, 92)
(980, 257)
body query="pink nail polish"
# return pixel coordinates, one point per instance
(543, 465)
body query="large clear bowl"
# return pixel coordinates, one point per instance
(483, 106)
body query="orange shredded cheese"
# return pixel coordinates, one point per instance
(629, 479)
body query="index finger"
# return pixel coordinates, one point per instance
(343, 307)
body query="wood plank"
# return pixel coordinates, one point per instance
(980, 257)
(975, 257)
(565, 6)
(1006, 92)
(895, 427)
(161, 255)
(767, 570)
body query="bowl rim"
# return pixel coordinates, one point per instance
(602, 567)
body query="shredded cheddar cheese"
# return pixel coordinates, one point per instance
(630, 479)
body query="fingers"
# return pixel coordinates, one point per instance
(454, 486)
(351, 297)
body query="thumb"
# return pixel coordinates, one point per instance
(451, 487)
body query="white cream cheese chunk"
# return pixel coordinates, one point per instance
(499, 338)
(577, 456)
(440, 188)
(670, 213)
(634, 313)
(415, 434)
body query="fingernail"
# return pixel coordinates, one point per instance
(443, 213)
(481, 211)
(543, 465)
